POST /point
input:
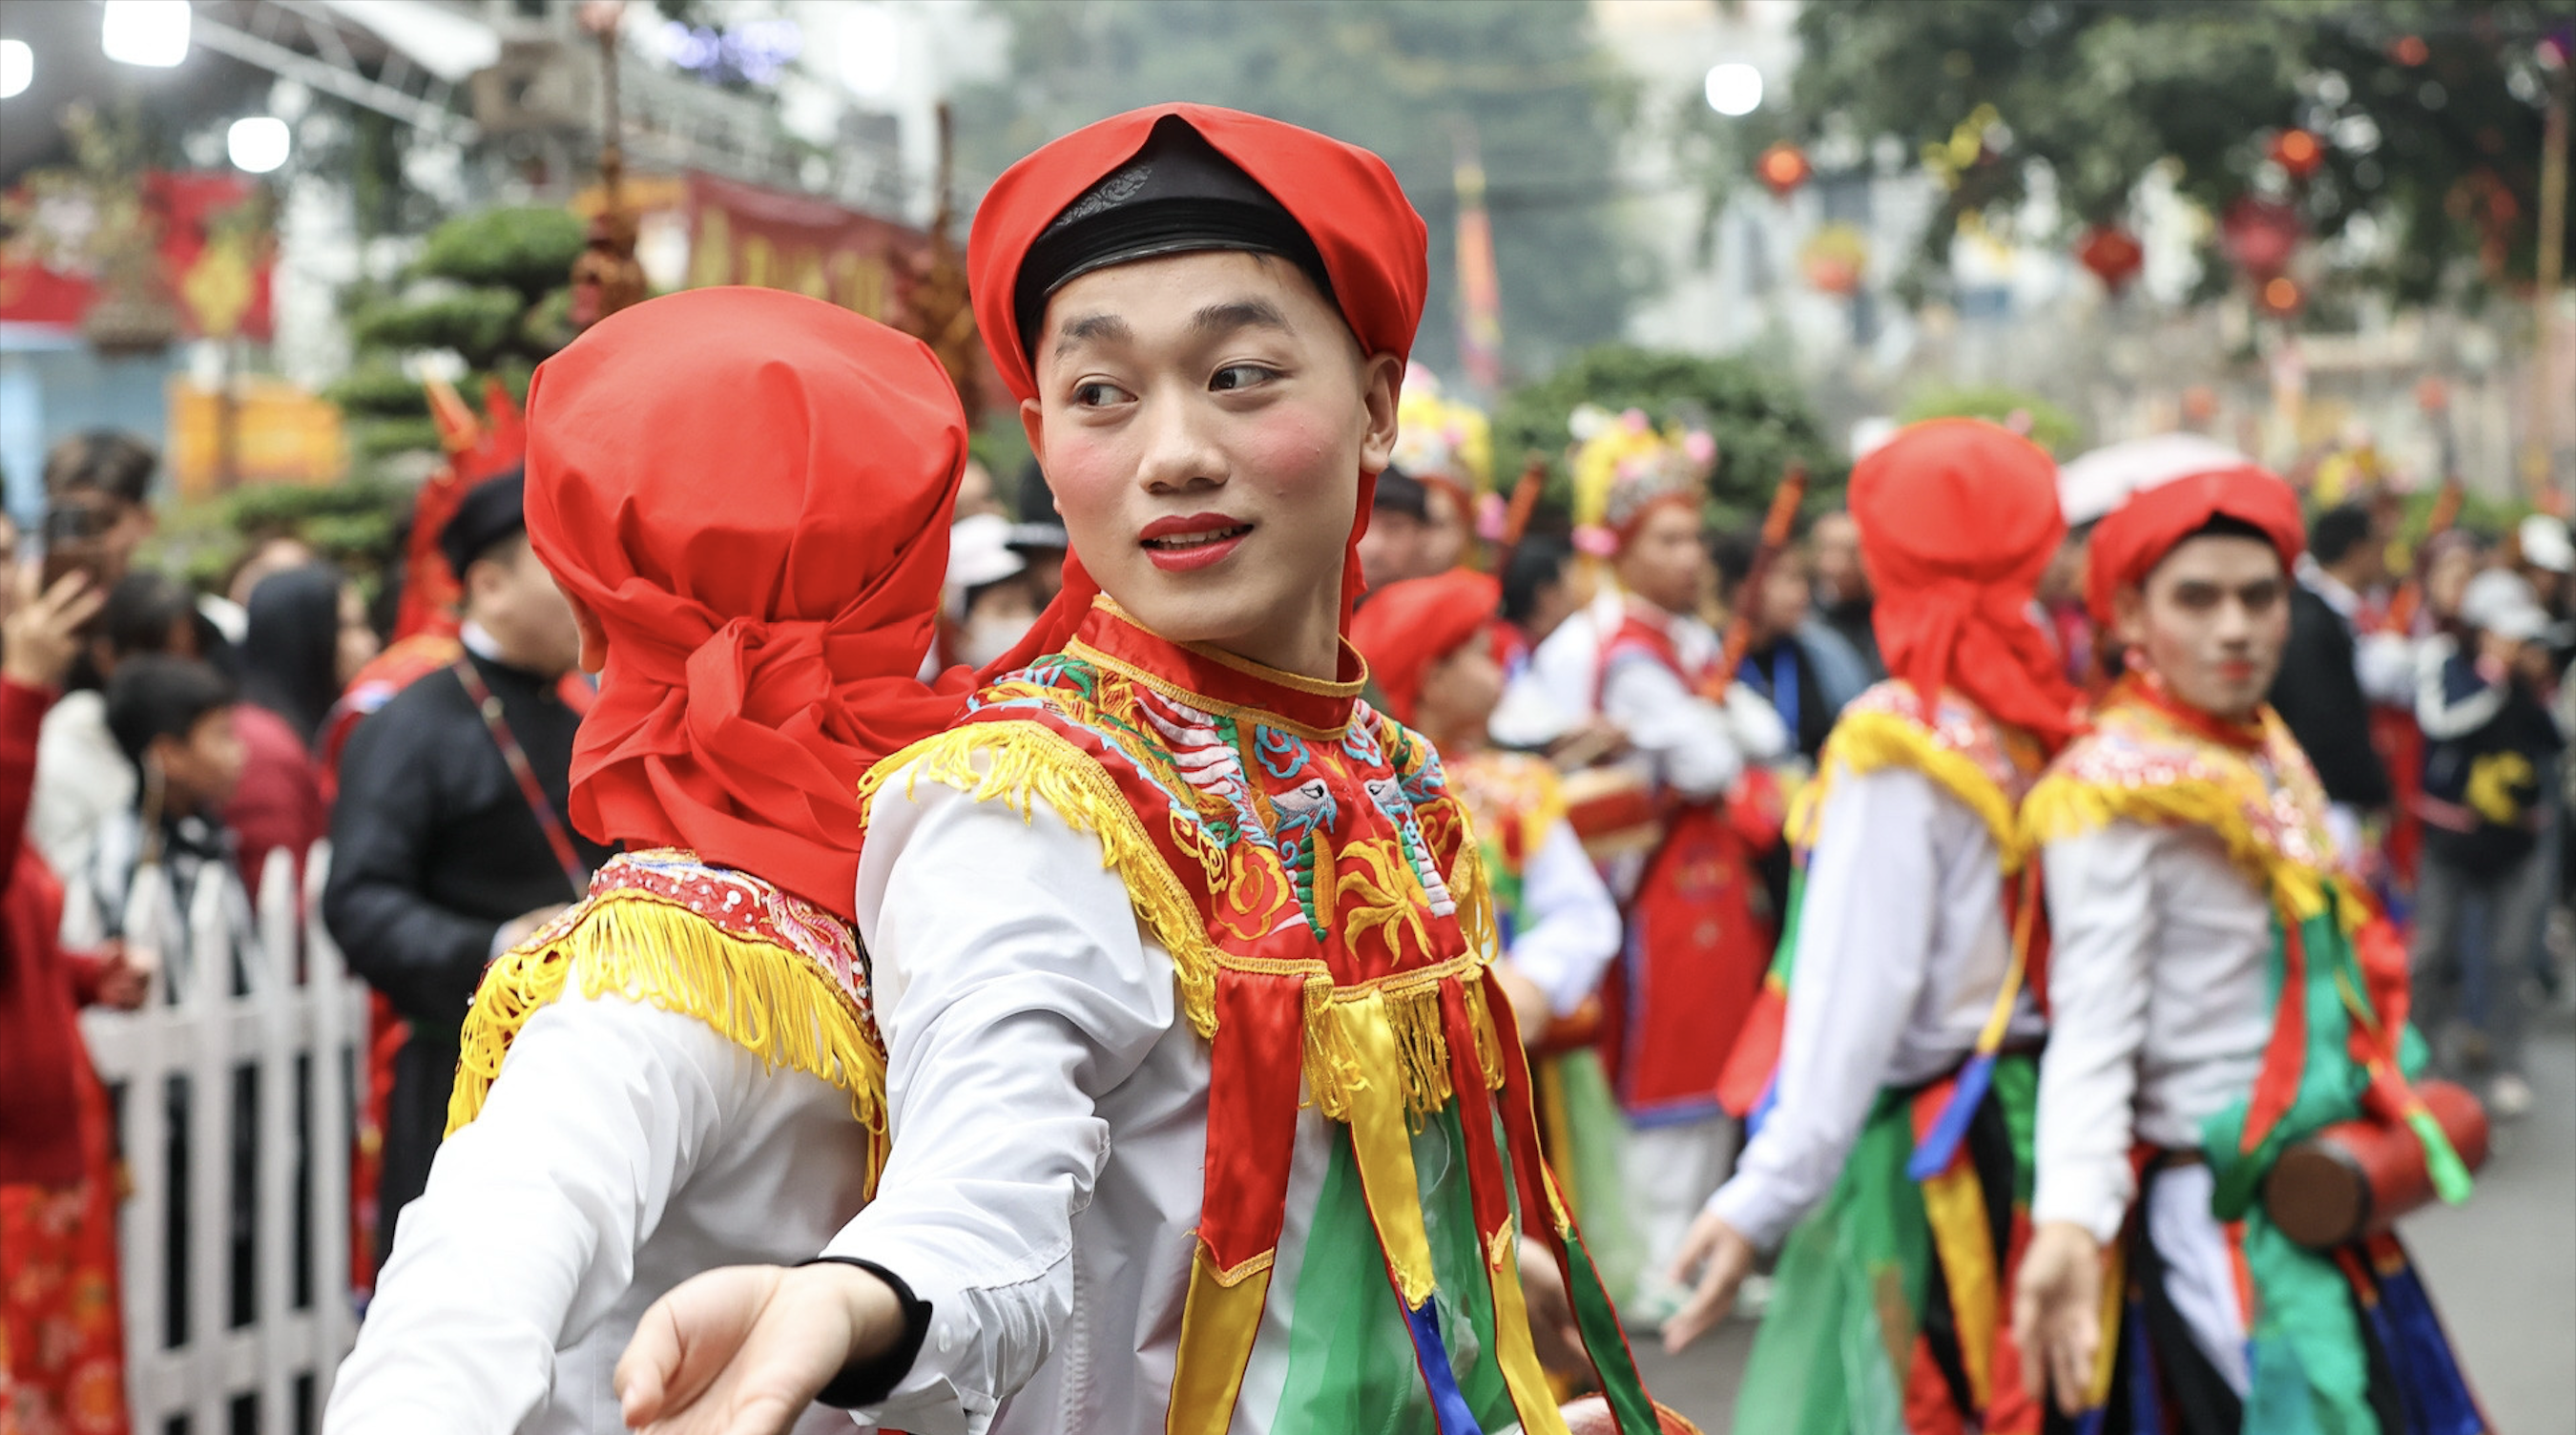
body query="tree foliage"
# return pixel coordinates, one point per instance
(1405, 78)
(1760, 421)
(2047, 425)
(2430, 108)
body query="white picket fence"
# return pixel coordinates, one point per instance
(235, 1127)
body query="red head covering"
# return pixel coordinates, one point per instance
(1345, 198)
(2129, 544)
(751, 490)
(1958, 518)
(1406, 627)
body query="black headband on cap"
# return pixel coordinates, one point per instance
(491, 511)
(1177, 196)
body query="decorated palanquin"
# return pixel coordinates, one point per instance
(770, 972)
(2340, 1336)
(1314, 879)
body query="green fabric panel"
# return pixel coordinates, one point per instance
(2016, 1089)
(1600, 1194)
(1784, 958)
(1830, 1356)
(1607, 1344)
(2330, 1084)
(1464, 1290)
(2305, 1328)
(1350, 1356)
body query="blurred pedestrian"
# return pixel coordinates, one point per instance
(2331, 672)
(451, 836)
(1842, 591)
(172, 718)
(2491, 752)
(62, 1336)
(297, 653)
(110, 474)
(82, 779)
(1795, 660)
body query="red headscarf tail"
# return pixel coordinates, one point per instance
(2129, 544)
(1374, 248)
(1406, 627)
(1958, 518)
(751, 491)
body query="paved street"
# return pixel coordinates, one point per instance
(2503, 1269)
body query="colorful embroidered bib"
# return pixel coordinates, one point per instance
(775, 974)
(1513, 802)
(1302, 859)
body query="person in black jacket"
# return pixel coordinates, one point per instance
(442, 855)
(2319, 692)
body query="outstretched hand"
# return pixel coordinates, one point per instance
(744, 1349)
(40, 633)
(1721, 1257)
(2057, 1314)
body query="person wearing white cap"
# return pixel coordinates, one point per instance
(2492, 746)
(2549, 566)
(988, 603)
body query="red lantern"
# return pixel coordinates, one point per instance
(2259, 235)
(1782, 168)
(2299, 152)
(2113, 254)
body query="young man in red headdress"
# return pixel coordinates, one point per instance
(1884, 1162)
(1431, 648)
(1195, 1056)
(744, 494)
(1700, 919)
(2218, 993)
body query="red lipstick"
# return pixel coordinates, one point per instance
(1201, 540)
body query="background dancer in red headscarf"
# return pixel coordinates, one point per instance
(1182, 949)
(745, 495)
(1882, 1152)
(2220, 992)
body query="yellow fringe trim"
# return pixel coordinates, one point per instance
(1866, 741)
(766, 999)
(1023, 763)
(2062, 807)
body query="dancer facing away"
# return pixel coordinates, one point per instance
(1893, 1159)
(2216, 995)
(745, 494)
(1700, 927)
(1431, 646)
(1181, 952)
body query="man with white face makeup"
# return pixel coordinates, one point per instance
(1208, 1113)
(2217, 993)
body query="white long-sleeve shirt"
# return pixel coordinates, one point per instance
(622, 1150)
(1569, 924)
(2158, 1013)
(1902, 949)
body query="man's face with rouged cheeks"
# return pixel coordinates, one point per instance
(1203, 420)
(2212, 619)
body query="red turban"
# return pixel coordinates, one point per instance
(751, 490)
(2129, 544)
(1372, 244)
(1958, 518)
(1407, 626)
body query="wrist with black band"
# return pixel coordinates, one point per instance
(868, 1382)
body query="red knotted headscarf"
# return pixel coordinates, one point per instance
(751, 490)
(1958, 518)
(1408, 626)
(2129, 544)
(1345, 198)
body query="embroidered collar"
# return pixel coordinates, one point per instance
(2148, 690)
(1214, 681)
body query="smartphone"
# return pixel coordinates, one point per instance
(73, 536)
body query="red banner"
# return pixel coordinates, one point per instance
(743, 234)
(216, 251)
